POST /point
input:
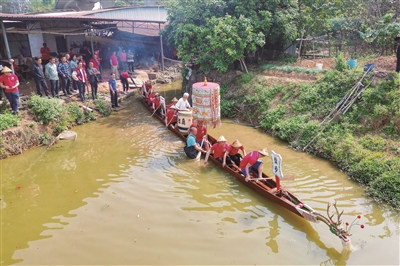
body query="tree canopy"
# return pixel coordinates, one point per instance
(216, 32)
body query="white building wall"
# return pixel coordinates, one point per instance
(35, 42)
(50, 40)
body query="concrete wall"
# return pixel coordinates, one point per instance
(35, 42)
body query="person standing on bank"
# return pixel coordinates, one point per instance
(52, 75)
(79, 75)
(398, 54)
(114, 64)
(112, 84)
(45, 53)
(65, 74)
(92, 74)
(9, 82)
(38, 76)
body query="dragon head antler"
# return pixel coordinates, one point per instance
(336, 227)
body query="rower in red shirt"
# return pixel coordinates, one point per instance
(251, 161)
(219, 150)
(156, 103)
(170, 116)
(173, 102)
(233, 152)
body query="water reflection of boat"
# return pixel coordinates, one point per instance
(272, 190)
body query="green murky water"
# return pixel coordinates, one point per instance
(125, 194)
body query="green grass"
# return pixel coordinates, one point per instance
(289, 69)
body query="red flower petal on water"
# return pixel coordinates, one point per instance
(347, 224)
(362, 226)
(358, 216)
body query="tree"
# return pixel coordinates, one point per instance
(216, 33)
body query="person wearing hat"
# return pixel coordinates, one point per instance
(398, 54)
(219, 149)
(173, 102)
(38, 77)
(251, 162)
(183, 103)
(192, 148)
(170, 116)
(9, 82)
(156, 103)
(233, 152)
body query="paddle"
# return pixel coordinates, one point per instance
(155, 110)
(199, 154)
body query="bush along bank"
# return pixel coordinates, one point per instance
(364, 142)
(45, 119)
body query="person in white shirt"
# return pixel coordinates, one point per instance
(183, 103)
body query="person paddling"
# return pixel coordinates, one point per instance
(233, 152)
(170, 116)
(219, 150)
(192, 148)
(251, 162)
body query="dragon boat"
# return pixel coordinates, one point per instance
(273, 191)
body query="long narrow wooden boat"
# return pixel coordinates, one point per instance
(268, 189)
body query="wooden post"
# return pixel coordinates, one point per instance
(3, 29)
(278, 184)
(162, 54)
(301, 42)
(329, 45)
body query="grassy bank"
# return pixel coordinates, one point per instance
(364, 142)
(42, 122)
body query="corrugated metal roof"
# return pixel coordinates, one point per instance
(152, 14)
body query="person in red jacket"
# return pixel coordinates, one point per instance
(9, 82)
(80, 77)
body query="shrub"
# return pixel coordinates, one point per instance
(46, 110)
(7, 120)
(76, 113)
(340, 62)
(272, 116)
(104, 108)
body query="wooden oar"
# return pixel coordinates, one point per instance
(155, 110)
(169, 121)
(199, 154)
(258, 179)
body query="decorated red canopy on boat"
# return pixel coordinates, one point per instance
(206, 102)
